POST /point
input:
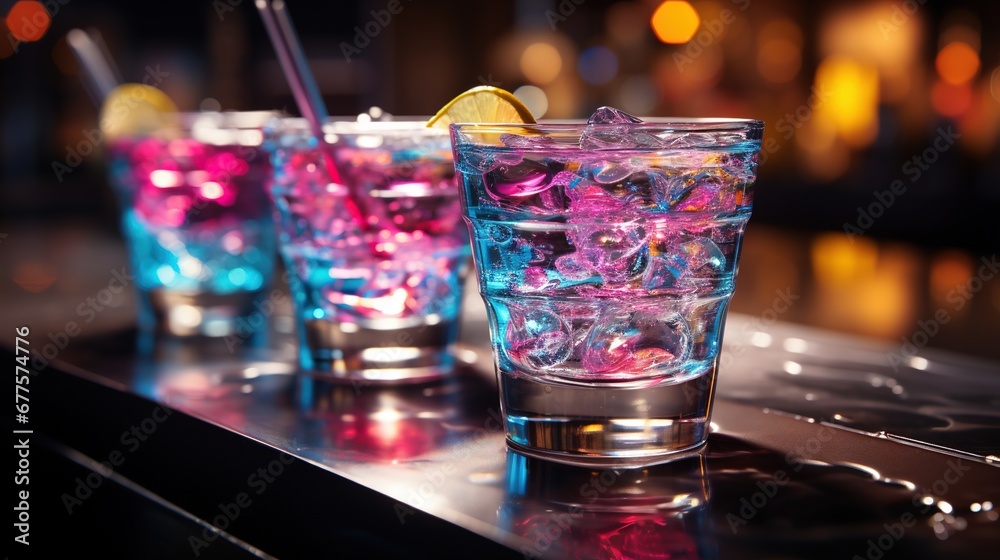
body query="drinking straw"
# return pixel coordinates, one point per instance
(94, 64)
(293, 62)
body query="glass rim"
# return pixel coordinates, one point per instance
(349, 125)
(215, 128)
(225, 119)
(685, 124)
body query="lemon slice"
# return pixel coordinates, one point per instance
(483, 104)
(135, 110)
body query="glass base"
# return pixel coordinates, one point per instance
(604, 424)
(242, 314)
(600, 462)
(380, 351)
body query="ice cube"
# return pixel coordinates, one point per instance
(685, 265)
(475, 160)
(599, 135)
(515, 181)
(573, 268)
(499, 234)
(537, 338)
(610, 115)
(703, 252)
(527, 141)
(618, 252)
(664, 272)
(602, 136)
(613, 172)
(623, 341)
(707, 190)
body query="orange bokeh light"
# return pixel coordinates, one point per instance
(541, 63)
(951, 100)
(957, 63)
(28, 20)
(675, 22)
(778, 60)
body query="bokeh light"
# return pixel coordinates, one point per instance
(951, 100)
(541, 63)
(534, 99)
(597, 65)
(675, 22)
(778, 60)
(957, 63)
(851, 104)
(28, 20)
(779, 51)
(948, 269)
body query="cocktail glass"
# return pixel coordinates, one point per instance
(606, 253)
(377, 264)
(197, 223)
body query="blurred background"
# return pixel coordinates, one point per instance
(876, 203)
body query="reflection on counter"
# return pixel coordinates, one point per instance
(574, 512)
(709, 507)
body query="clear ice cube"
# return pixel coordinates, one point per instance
(634, 341)
(537, 338)
(610, 115)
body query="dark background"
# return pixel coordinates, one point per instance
(824, 162)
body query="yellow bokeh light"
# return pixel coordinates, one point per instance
(541, 63)
(840, 260)
(675, 22)
(957, 63)
(850, 89)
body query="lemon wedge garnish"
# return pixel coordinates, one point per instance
(136, 110)
(483, 104)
